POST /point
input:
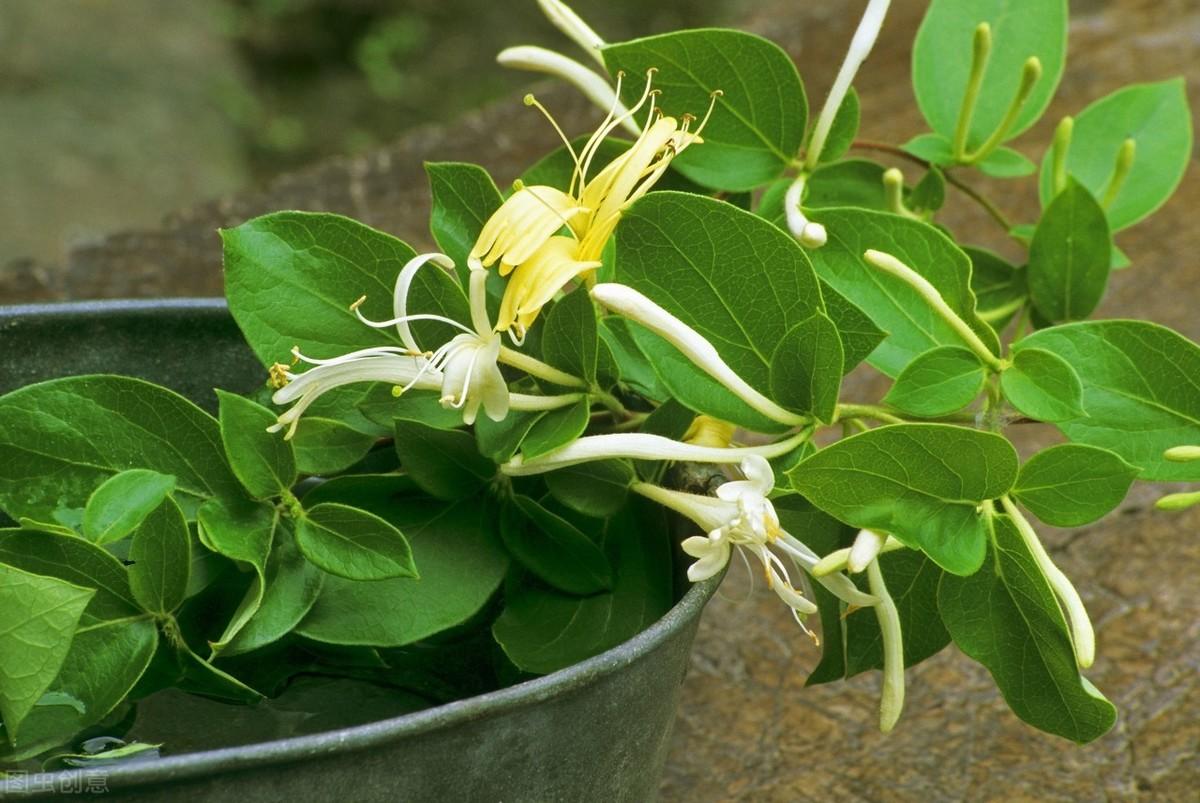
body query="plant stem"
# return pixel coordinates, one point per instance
(873, 411)
(989, 207)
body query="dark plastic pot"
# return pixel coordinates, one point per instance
(598, 730)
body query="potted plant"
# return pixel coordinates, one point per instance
(463, 468)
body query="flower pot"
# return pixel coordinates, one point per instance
(598, 730)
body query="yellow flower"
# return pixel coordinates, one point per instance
(545, 237)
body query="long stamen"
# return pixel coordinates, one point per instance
(603, 132)
(594, 140)
(530, 100)
(424, 316)
(404, 284)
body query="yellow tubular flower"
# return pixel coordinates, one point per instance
(708, 431)
(546, 237)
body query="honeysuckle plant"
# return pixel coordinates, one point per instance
(478, 464)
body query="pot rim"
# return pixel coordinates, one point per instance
(279, 751)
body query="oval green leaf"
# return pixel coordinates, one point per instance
(353, 543)
(1072, 484)
(117, 507)
(939, 382)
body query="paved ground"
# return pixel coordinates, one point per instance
(748, 729)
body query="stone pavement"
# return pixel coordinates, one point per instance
(748, 730)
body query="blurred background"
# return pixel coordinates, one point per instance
(115, 113)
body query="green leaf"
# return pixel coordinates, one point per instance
(844, 129)
(939, 382)
(354, 544)
(1006, 163)
(853, 182)
(291, 277)
(38, 619)
(806, 368)
(445, 463)
(162, 559)
(76, 561)
(942, 61)
(324, 446)
(414, 405)
(758, 124)
(542, 630)
(570, 337)
(243, 532)
(1006, 618)
(464, 197)
(597, 489)
(637, 373)
(1156, 117)
(695, 389)
(117, 507)
(461, 560)
(1071, 484)
(930, 192)
(998, 286)
(912, 325)
(923, 483)
(104, 662)
(1140, 390)
(1069, 256)
(730, 275)
(61, 439)
(291, 586)
(238, 530)
(858, 334)
(201, 677)
(1043, 386)
(499, 440)
(263, 461)
(555, 429)
(553, 549)
(933, 148)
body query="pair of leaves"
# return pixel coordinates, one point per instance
(942, 56)
(1139, 387)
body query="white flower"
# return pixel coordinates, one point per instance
(468, 363)
(742, 516)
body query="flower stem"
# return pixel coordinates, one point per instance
(643, 446)
(889, 264)
(1120, 173)
(1030, 73)
(1082, 635)
(981, 51)
(525, 401)
(1059, 151)
(860, 48)
(891, 702)
(535, 367)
